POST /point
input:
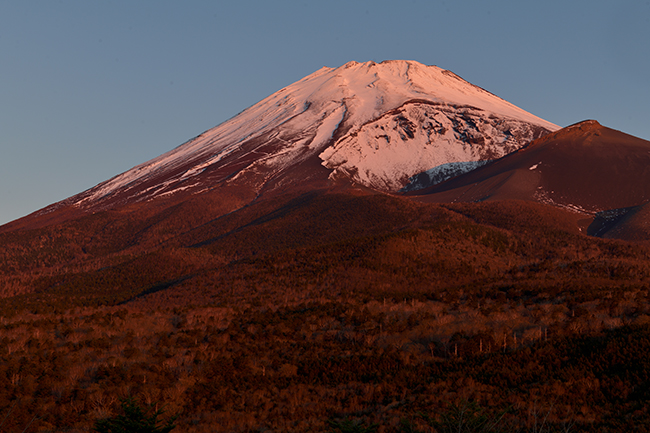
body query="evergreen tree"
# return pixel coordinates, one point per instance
(135, 419)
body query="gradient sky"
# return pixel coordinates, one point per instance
(88, 89)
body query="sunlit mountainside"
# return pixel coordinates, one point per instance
(380, 246)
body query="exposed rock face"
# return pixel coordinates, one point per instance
(420, 144)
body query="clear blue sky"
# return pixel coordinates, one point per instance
(89, 89)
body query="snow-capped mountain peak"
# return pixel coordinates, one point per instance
(378, 124)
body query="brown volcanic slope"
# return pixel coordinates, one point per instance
(585, 167)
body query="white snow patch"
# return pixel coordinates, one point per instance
(542, 196)
(329, 126)
(174, 191)
(441, 173)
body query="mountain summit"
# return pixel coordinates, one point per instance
(390, 126)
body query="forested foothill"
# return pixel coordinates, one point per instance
(326, 312)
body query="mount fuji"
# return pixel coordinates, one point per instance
(282, 258)
(390, 126)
